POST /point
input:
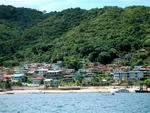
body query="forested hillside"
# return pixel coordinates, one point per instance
(13, 23)
(106, 35)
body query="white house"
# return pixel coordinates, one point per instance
(41, 71)
(88, 70)
(51, 83)
(69, 71)
(52, 74)
(130, 74)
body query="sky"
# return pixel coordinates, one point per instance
(58, 5)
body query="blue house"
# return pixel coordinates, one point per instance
(18, 77)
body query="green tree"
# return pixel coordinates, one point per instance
(73, 62)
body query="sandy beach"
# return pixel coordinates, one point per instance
(82, 89)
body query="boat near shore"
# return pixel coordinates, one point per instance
(70, 88)
(10, 93)
(142, 91)
(120, 91)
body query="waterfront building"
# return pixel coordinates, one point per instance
(37, 81)
(51, 83)
(68, 78)
(53, 74)
(130, 75)
(18, 77)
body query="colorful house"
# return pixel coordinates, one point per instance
(57, 66)
(37, 81)
(18, 77)
(6, 76)
(53, 74)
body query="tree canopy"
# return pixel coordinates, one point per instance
(103, 35)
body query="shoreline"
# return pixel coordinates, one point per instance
(107, 89)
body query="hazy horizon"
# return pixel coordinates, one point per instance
(53, 5)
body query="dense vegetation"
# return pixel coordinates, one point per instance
(106, 35)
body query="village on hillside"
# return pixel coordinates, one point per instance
(55, 75)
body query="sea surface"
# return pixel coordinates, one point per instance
(75, 103)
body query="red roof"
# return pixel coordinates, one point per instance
(38, 78)
(7, 76)
(30, 72)
(147, 66)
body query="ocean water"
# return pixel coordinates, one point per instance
(75, 103)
